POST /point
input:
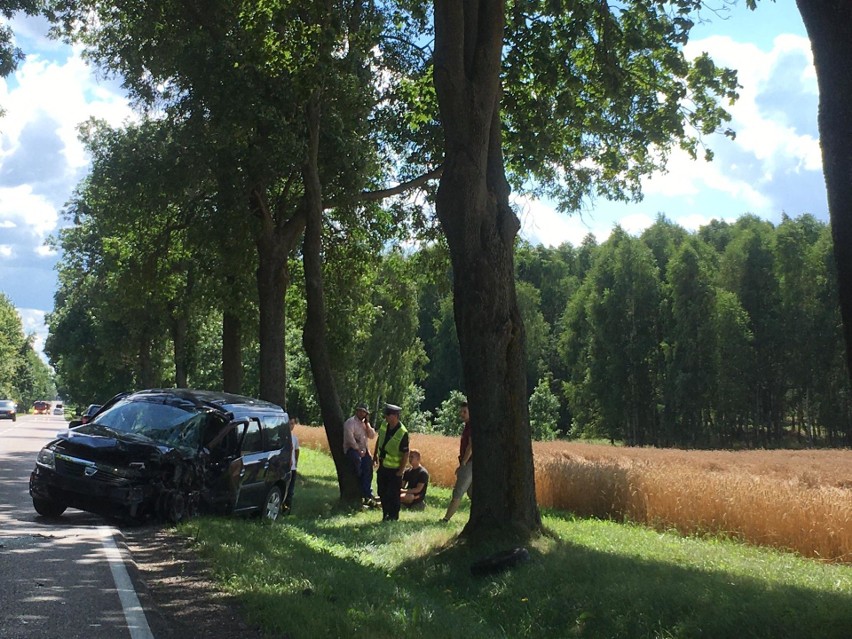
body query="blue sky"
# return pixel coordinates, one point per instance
(772, 167)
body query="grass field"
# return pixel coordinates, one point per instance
(325, 573)
(791, 500)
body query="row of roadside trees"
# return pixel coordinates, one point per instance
(726, 337)
(274, 129)
(24, 377)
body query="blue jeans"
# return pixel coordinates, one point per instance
(364, 470)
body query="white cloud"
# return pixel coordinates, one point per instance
(542, 223)
(5, 250)
(20, 206)
(775, 123)
(33, 323)
(773, 165)
(45, 251)
(696, 221)
(64, 92)
(635, 223)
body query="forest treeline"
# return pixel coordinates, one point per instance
(725, 337)
(24, 377)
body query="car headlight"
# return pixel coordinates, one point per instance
(46, 458)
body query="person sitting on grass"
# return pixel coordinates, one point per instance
(415, 480)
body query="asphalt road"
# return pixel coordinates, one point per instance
(65, 578)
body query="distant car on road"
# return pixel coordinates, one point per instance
(58, 409)
(8, 409)
(41, 407)
(167, 454)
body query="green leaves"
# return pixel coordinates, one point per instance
(595, 97)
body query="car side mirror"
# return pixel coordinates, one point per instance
(74, 423)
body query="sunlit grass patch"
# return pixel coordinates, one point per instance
(326, 573)
(791, 500)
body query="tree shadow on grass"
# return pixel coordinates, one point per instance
(319, 576)
(571, 590)
(302, 587)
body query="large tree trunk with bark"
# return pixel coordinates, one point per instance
(232, 354)
(179, 329)
(829, 26)
(480, 226)
(147, 378)
(272, 280)
(314, 336)
(275, 241)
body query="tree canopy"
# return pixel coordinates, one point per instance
(24, 377)
(300, 109)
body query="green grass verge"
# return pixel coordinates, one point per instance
(323, 573)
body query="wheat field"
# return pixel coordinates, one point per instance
(792, 500)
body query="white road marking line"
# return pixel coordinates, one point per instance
(133, 613)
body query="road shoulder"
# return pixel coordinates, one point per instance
(178, 585)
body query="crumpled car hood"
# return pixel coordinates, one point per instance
(114, 448)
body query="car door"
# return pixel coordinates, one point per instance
(276, 432)
(255, 464)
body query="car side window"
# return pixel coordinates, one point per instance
(275, 427)
(253, 440)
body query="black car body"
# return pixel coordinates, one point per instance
(8, 409)
(166, 454)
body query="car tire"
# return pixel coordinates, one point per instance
(172, 507)
(273, 505)
(49, 508)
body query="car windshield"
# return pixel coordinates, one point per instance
(5, 403)
(170, 425)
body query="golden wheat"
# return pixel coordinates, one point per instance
(793, 500)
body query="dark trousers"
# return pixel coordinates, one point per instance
(288, 500)
(364, 470)
(389, 485)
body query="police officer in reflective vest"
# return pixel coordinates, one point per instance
(391, 455)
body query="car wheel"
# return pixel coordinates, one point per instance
(172, 506)
(48, 507)
(272, 504)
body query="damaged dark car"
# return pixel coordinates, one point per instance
(168, 454)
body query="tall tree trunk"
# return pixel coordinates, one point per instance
(275, 241)
(146, 364)
(314, 336)
(829, 26)
(473, 207)
(179, 330)
(232, 354)
(272, 280)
